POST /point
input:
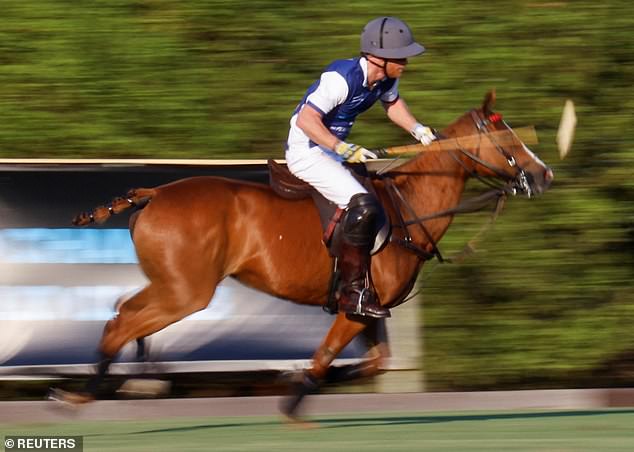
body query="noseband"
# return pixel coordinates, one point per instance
(517, 183)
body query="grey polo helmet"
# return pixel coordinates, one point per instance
(389, 37)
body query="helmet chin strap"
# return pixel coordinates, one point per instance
(383, 67)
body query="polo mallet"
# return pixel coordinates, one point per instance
(566, 131)
(502, 137)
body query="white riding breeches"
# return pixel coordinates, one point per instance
(324, 170)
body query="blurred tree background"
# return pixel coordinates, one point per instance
(547, 302)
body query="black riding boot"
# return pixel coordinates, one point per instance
(356, 294)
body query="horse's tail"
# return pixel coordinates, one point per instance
(137, 197)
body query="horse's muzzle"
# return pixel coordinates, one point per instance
(540, 180)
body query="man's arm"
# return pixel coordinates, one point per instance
(310, 121)
(400, 115)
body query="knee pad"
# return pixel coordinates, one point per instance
(363, 220)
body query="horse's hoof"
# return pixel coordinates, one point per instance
(70, 398)
(144, 388)
(295, 422)
(287, 377)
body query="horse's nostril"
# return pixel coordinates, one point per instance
(548, 175)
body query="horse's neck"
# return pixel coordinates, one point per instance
(431, 183)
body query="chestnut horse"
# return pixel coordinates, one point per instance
(191, 234)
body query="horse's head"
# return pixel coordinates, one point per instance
(501, 155)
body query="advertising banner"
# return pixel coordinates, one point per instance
(59, 283)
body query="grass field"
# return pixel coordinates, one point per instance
(598, 430)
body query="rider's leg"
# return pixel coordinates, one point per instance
(324, 171)
(363, 218)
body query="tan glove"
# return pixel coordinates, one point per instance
(353, 153)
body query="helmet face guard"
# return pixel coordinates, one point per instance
(389, 37)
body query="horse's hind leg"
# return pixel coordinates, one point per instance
(142, 346)
(149, 311)
(142, 350)
(142, 354)
(343, 330)
(124, 309)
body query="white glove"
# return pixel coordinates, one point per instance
(353, 153)
(423, 134)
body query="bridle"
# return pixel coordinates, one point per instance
(515, 183)
(512, 184)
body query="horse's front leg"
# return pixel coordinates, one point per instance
(344, 329)
(375, 336)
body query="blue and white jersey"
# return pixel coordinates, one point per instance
(340, 95)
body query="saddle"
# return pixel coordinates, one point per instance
(289, 186)
(286, 184)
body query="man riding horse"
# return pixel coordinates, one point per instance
(316, 147)
(189, 234)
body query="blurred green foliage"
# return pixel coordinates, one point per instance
(548, 301)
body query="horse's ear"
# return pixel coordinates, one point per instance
(489, 102)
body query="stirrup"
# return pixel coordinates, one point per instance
(365, 304)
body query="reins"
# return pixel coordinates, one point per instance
(498, 192)
(504, 185)
(470, 247)
(471, 205)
